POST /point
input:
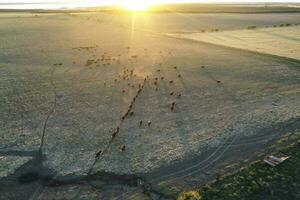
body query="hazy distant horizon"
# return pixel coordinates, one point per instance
(56, 4)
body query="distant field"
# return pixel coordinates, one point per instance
(228, 8)
(276, 41)
(168, 8)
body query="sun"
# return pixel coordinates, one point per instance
(135, 5)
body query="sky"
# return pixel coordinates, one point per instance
(48, 4)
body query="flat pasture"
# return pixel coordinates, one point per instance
(280, 41)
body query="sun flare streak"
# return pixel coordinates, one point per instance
(135, 5)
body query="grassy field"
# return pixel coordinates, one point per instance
(256, 181)
(283, 41)
(169, 114)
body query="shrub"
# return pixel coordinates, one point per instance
(252, 27)
(190, 196)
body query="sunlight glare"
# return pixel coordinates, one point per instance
(135, 5)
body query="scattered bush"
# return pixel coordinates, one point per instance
(190, 196)
(251, 27)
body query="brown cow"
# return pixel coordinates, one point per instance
(98, 154)
(173, 106)
(122, 148)
(114, 135)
